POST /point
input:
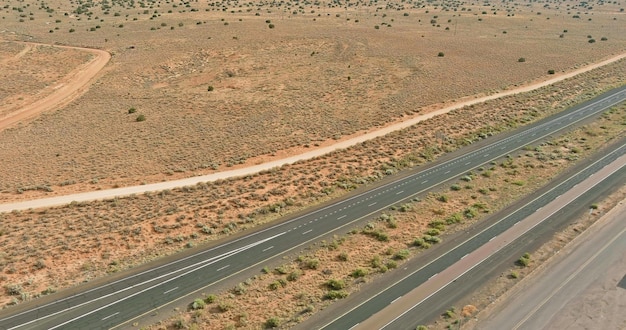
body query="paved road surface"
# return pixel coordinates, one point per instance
(122, 300)
(565, 280)
(436, 275)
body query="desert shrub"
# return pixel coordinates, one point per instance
(335, 284)
(594, 206)
(132, 110)
(524, 260)
(521, 60)
(359, 272)
(210, 299)
(433, 232)
(272, 322)
(376, 27)
(551, 71)
(343, 256)
(402, 254)
(271, 26)
(312, 263)
(514, 274)
(210, 88)
(224, 306)
(335, 294)
(431, 239)
(141, 118)
(443, 198)
(198, 304)
(419, 242)
(455, 187)
(294, 275)
(440, 54)
(604, 39)
(13, 289)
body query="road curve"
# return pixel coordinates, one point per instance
(125, 191)
(79, 81)
(121, 300)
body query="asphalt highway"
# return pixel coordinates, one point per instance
(459, 254)
(115, 303)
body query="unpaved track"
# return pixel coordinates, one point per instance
(125, 191)
(72, 86)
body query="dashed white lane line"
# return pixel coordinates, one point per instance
(399, 192)
(168, 291)
(110, 316)
(341, 217)
(308, 231)
(393, 301)
(372, 204)
(269, 248)
(222, 268)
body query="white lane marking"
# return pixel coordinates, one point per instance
(372, 204)
(486, 155)
(433, 276)
(463, 257)
(170, 290)
(468, 163)
(110, 316)
(308, 231)
(269, 248)
(424, 181)
(447, 172)
(393, 301)
(341, 217)
(222, 268)
(399, 192)
(492, 238)
(354, 326)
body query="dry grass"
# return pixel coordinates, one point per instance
(295, 86)
(84, 241)
(29, 72)
(468, 200)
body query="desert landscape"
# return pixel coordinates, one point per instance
(194, 88)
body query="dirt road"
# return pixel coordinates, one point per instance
(74, 89)
(70, 88)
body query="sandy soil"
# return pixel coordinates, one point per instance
(303, 83)
(64, 91)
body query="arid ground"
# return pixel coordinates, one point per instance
(222, 85)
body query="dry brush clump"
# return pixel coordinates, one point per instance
(279, 90)
(335, 269)
(88, 240)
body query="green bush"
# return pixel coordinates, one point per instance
(440, 54)
(402, 254)
(198, 304)
(210, 299)
(294, 275)
(359, 272)
(132, 110)
(141, 118)
(551, 71)
(272, 322)
(335, 284)
(334, 294)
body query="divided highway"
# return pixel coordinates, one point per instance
(122, 300)
(463, 266)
